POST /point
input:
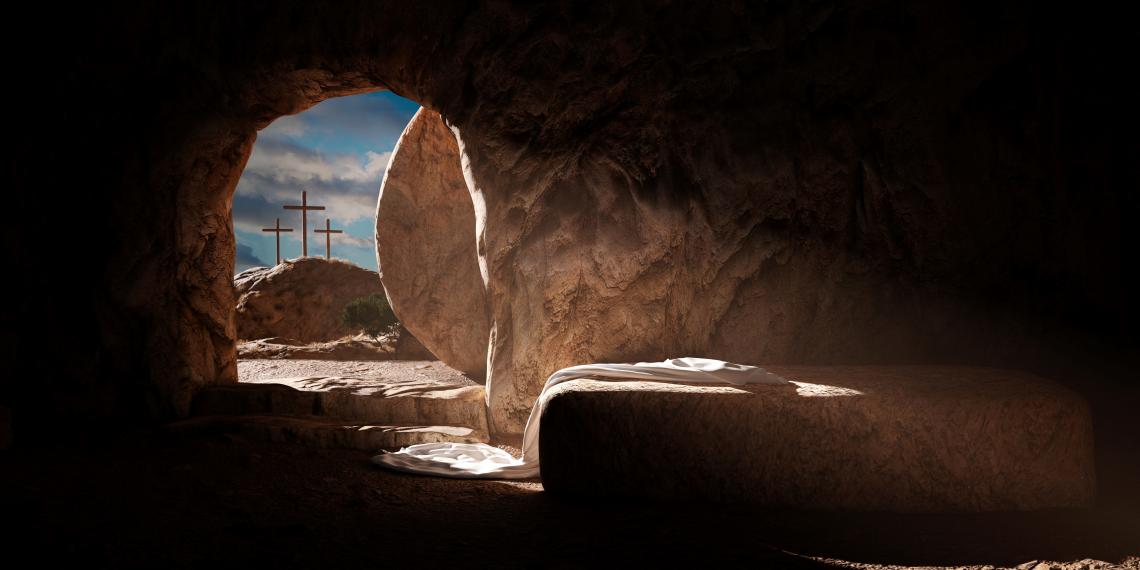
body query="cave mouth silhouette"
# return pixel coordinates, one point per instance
(423, 237)
(982, 152)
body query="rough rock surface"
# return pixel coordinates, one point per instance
(300, 299)
(394, 372)
(360, 347)
(845, 182)
(399, 345)
(425, 246)
(904, 439)
(408, 347)
(409, 393)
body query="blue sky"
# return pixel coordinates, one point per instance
(338, 151)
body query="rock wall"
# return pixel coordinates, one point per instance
(862, 181)
(425, 246)
(790, 192)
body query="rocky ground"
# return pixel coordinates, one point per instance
(360, 347)
(158, 500)
(397, 345)
(395, 370)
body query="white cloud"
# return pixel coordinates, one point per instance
(288, 126)
(335, 152)
(346, 185)
(354, 241)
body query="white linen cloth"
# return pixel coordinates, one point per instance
(482, 461)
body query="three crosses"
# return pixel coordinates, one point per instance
(304, 207)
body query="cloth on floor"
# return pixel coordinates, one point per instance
(482, 461)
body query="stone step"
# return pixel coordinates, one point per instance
(328, 432)
(365, 401)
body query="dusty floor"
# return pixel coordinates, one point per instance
(398, 370)
(157, 500)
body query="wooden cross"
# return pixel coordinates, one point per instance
(304, 207)
(277, 230)
(328, 237)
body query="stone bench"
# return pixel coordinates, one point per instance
(898, 438)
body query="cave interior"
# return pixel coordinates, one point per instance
(859, 183)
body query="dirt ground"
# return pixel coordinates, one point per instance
(158, 500)
(396, 370)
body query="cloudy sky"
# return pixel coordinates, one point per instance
(337, 151)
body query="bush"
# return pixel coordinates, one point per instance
(372, 315)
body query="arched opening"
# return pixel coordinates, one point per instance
(410, 252)
(337, 151)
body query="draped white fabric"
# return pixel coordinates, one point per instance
(482, 461)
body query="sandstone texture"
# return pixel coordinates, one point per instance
(392, 372)
(904, 439)
(408, 347)
(407, 393)
(360, 347)
(425, 246)
(860, 181)
(399, 345)
(300, 299)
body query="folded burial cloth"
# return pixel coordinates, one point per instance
(482, 461)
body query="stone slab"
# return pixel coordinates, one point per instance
(900, 438)
(426, 246)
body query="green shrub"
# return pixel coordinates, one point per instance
(370, 314)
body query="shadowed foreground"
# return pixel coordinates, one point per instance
(159, 501)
